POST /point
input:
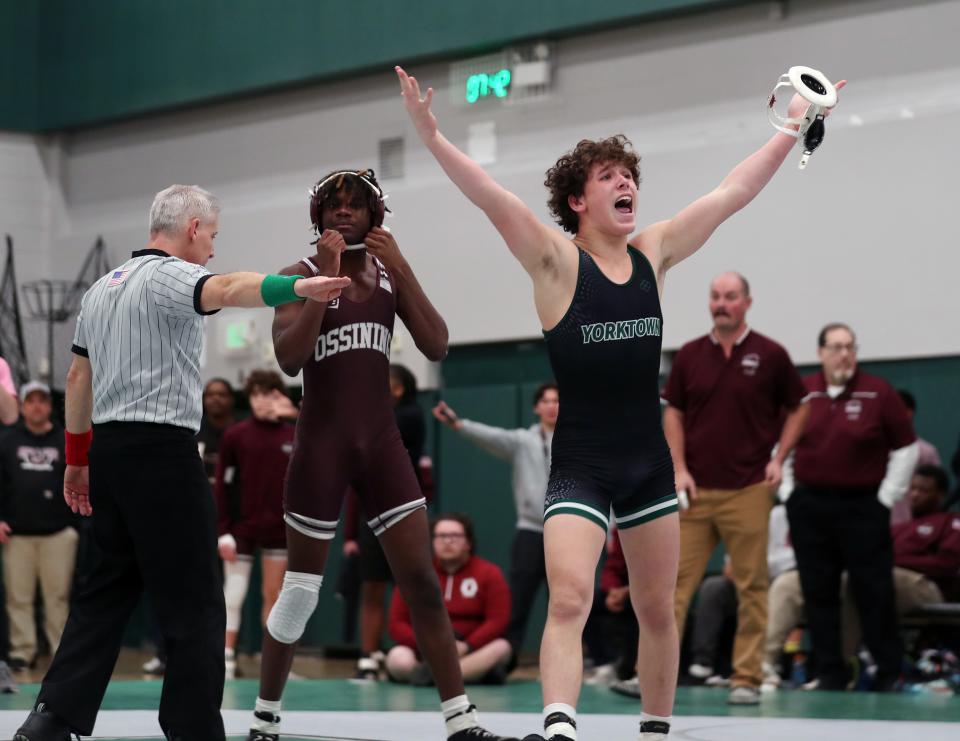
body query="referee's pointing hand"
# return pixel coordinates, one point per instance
(320, 287)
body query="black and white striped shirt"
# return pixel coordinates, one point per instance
(141, 326)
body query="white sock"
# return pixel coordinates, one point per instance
(459, 714)
(229, 653)
(270, 710)
(560, 727)
(648, 736)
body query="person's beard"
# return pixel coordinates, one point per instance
(841, 376)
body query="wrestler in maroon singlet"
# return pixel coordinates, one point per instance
(347, 436)
(347, 433)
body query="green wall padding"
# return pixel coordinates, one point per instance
(113, 59)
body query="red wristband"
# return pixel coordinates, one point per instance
(77, 447)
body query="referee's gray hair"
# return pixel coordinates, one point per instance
(173, 207)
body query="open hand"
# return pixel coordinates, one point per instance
(320, 287)
(76, 489)
(282, 407)
(418, 108)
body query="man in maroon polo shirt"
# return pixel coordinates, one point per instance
(853, 461)
(733, 395)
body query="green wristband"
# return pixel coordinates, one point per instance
(278, 289)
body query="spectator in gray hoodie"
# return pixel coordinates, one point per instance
(528, 451)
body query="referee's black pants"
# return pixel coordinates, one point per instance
(835, 530)
(155, 524)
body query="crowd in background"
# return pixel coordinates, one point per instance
(834, 521)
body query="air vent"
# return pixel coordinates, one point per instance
(391, 159)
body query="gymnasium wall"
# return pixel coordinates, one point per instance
(862, 235)
(30, 202)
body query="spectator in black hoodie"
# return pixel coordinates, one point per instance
(37, 528)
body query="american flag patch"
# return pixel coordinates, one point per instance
(118, 277)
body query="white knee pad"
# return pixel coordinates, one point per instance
(236, 580)
(296, 603)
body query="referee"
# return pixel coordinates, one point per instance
(136, 377)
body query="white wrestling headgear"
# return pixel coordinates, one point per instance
(820, 92)
(366, 177)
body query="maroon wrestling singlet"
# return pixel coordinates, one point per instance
(347, 434)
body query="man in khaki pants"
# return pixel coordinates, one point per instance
(36, 525)
(732, 395)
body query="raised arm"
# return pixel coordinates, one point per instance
(678, 238)
(427, 327)
(531, 242)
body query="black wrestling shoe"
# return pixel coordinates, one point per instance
(42, 725)
(478, 734)
(549, 721)
(262, 736)
(654, 726)
(269, 717)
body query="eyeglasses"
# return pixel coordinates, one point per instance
(449, 536)
(836, 348)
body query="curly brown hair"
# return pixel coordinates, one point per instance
(569, 175)
(263, 382)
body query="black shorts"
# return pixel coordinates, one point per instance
(648, 493)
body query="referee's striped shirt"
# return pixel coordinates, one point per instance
(141, 326)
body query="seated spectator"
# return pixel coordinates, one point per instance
(528, 452)
(928, 455)
(478, 600)
(926, 550)
(252, 464)
(8, 396)
(612, 633)
(37, 528)
(716, 609)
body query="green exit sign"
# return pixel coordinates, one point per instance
(483, 85)
(237, 336)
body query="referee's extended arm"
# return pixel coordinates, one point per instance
(251, 290)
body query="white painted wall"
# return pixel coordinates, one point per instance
(30, 201)
(865, 235)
